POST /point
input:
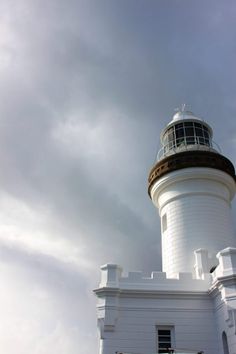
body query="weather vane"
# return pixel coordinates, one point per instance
(183, 106)
(182, 109)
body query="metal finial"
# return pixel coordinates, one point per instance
(182, 109)
(183, 106)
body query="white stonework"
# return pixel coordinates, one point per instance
(192, 303)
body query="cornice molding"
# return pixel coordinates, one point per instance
(189, 159)
(154, 294)
(222, 281)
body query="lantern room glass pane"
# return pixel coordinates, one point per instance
(179, 133)
(199, 132)
(189, 131)
(171, 136)
(179, 126)
(197, 125)
(188, 124)
(165, 139)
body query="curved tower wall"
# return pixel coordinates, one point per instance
(192, 185)
(195, 209)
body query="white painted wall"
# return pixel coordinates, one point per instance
(131, 308)
(223, 292)
(197, 205)
(135, 329)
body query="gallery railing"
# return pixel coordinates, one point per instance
(187, 143)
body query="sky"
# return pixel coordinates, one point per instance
(86, 88)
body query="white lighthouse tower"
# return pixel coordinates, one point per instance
(189, 307)
(192, 185)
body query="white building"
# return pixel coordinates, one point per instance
(191, 304)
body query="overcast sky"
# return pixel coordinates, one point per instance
(86, 87)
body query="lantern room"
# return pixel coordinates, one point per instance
(186, 132)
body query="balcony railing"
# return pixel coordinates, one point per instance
(187, 143)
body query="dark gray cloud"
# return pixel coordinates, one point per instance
(85, 89)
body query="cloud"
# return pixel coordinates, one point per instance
(42, 306)
(85, 90)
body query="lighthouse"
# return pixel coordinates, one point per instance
(192, 186)
(190, 305)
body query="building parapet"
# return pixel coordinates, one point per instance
(224, 276)
(158, 281)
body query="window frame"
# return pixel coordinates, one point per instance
(177, 135)
(164, 223)
(169, 328)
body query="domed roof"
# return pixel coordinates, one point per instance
(180, 115)
(183, 114)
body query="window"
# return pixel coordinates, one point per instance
(164, 339)
(164, 223)
(202, 134)
(186, 133)
(179, 132)
(189, 132)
